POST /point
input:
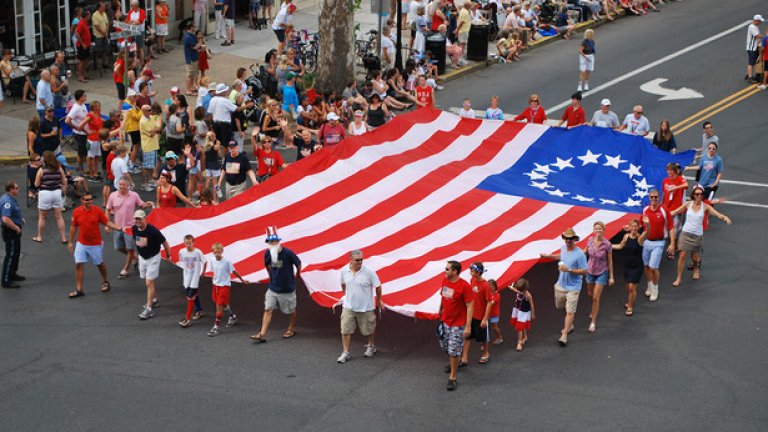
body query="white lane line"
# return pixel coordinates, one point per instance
(642, 69)
(744, 204)
(736, 182)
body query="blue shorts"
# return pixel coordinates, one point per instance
(652, 252)
(149, 160)
(254, 6)
(493, 320)
(84, 253)
(601, 279)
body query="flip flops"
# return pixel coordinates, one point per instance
(289, 334)
(76, 294)
(105, 286)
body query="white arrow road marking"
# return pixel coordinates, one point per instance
(654, 87)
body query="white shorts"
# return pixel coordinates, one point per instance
(94, 149)
(212, 173)
(588, 63)
(161, 29)
(229, 23)
(47, 200)
(149, 269)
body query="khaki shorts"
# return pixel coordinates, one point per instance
(365, 320)
(566, 299)
(463, 37)
(192, 70)
(285, 301)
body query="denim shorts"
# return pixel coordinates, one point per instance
(601, 279)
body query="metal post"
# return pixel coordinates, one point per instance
(399, 44)
(381, 14)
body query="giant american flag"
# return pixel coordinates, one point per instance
(429, 187)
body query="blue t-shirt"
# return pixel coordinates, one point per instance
(281, 277)
(574, 260)
(10, 207)
(290, 98)
(190, 54)
(710, 168)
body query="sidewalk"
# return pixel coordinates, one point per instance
(249, 48)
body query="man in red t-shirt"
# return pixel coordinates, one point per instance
(269, 160)
(455, 312)
(481, 312)
(574, 114)
(83, 31)
(87, 219)
(425, 95)
(658, 222)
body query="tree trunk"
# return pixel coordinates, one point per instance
(336, 65)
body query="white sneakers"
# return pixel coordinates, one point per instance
(343, 357)
(370, 350)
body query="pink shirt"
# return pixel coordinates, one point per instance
(598, 256)
(123, 207)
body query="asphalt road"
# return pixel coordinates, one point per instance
(694, 360)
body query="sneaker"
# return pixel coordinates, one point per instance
(146, 314)
(370, 350)
(440, 87)
(579, 88)
(452, 384)
(563, 340)
(591, 327)
(231, 321)
(762, 86)
(185, 323)
(214, 331)
(586, 86)
(98, 178)
(198, 315)
(152, 183)
(654, 295)
(649, 290)
(343, 357)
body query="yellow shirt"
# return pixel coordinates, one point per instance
(464, 18)
(99, 19)
(147, 125)
(131, 118)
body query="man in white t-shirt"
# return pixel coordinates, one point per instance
(753, 42)
(76, 120)
(283, 18)
(119, 167)
(359, 284)
(636, 123)
(387, 49)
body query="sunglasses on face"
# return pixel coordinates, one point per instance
(358, 260)
(653, 197)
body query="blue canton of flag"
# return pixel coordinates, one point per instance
(588, 166)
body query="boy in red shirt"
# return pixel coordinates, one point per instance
(455, 313)
(574, 115)
(482, 303)
(425, 95)
(269, 160)
(94, 123)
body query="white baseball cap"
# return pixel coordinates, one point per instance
(605, 101)
(758, 18)
(332, 116)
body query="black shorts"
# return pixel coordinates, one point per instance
(84, 53)
(135, 138)
(120, 91)
(765, 66)
(82, 145)
(752, 58)
(478, 333)
(174, 145)
(280, 35)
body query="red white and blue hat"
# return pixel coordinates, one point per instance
(272, 234)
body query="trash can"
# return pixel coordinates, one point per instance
(477, 45)
(435, 43)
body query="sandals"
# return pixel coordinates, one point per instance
(498, 341)
(123, 274)
(628, 312)
(37, 239)
(76, 294)
(105, 286)
(258, 338)
(289, 334)
(519, 346)
(484, 359)
(676, 283)
(696, 272)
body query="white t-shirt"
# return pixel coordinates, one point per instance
(388, 46)
(752, 42)
(78, 113)
(467, 113)
(221, 109)
(222, 269)
(119, 169)
(281, 19)
(192, 264)
(360, 289)
(609, 119)
(636, 126)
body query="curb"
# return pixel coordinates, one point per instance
(23, 160)
(454, 74)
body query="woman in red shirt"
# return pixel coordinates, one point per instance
(118, 74)
(534, 113)
(167, 194)
(674, 187)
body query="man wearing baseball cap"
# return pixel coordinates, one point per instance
(753, 42)
(331, 132)
(604, 117)
(148, 240)
(237, 168)
(572, 267)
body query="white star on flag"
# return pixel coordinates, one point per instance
(641, 193)
(631, 203)
(563, 164)
(557, 192)
(541, 186)
(607, 201)
(583, 198)
(633, 171)
(543, 168)
(589, 158)
(613, 161)
(642, 184)
(535, 175)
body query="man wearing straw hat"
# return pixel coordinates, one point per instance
(572, 267)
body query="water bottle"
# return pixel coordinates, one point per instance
(218, 191)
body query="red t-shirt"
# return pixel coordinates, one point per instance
(424, 95)
(673, 199)
(110, 157)
(436, 21)
(496, 308)
(574, 116)
(83, 34)
(660, 222)
(88, 222)
(482, 296)
(537, 116)
(332, 135)
(455, 295)
(117, 75)
(94, 126)
(268, 162)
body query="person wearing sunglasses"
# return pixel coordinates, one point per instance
(534, 112)
(660, 226)
(572, 267)
(636, 123)
(692, 236)
(711, 169)
(456, 299)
